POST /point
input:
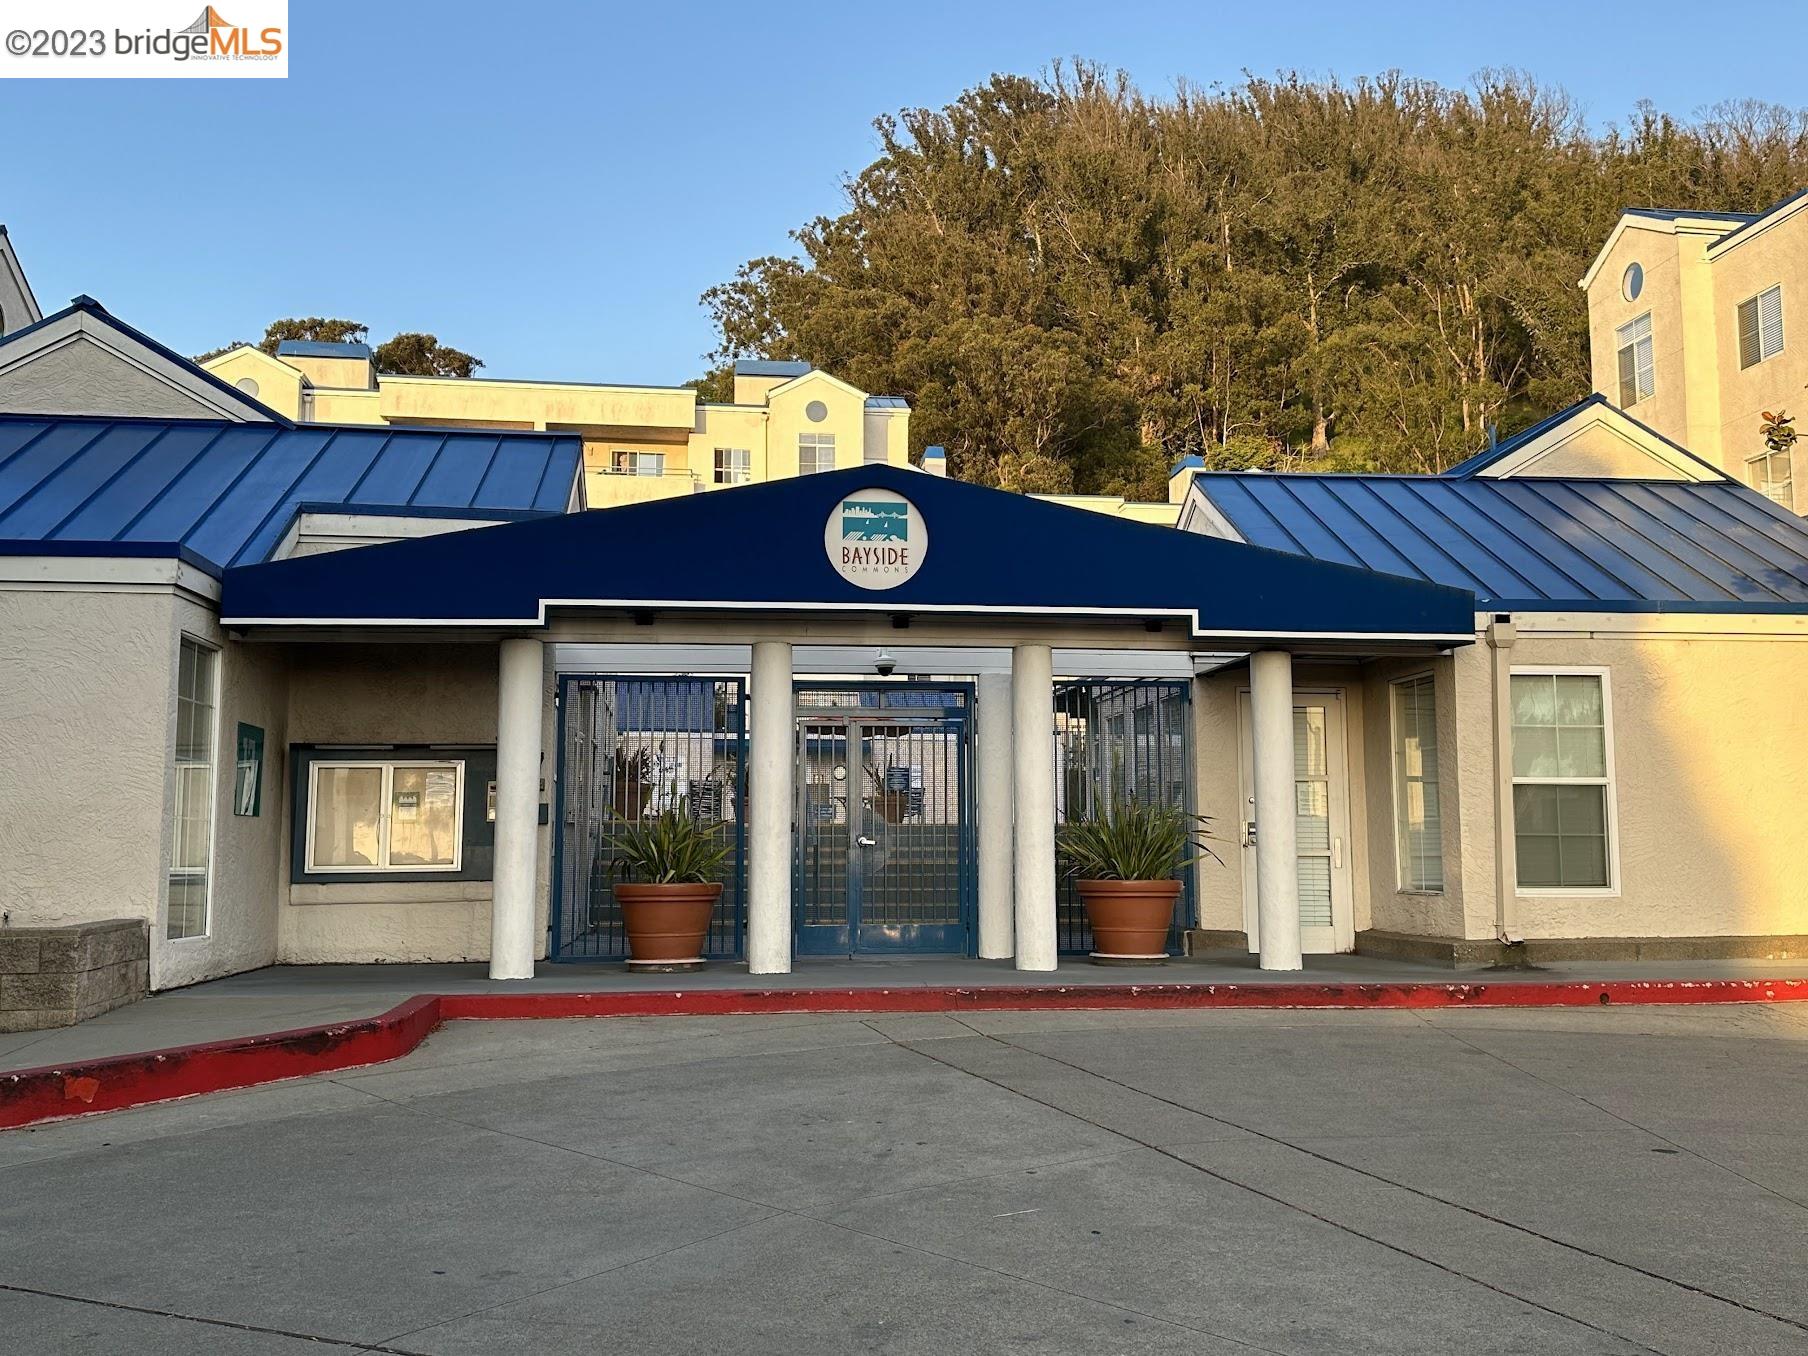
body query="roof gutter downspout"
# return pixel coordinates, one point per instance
(1501, 635)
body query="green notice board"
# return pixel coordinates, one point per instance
(248, 780)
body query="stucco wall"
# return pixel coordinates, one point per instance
(1596, 450)
(81, 378)
(1219, 779)
(845, 418)
(278, 384)
(1432, 913)
(1778, 254)
(249, 852)
(398, 694)
(1660, 255)
(85, 702)
(1710, 783)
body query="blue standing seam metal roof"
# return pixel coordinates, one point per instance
(771, 367)
(320, 348)
(887, 403)
(221, 493)
(1538, 544)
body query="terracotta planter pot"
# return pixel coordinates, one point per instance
(1130, 919)
(667, 924)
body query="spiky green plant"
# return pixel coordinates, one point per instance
(671, 848)
(1132, 841)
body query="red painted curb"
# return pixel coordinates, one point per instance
(1025, 997)
(30, 1096)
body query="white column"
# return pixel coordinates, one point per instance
(772, 756)
(518, 719)
(992, 751)
(1277, 855)
(1033, 757)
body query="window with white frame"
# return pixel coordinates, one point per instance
(628, 462)
(815, 452)
(1638, 372)
(1562, 779)
(1418, 825)
(1761, 326)
(1773, 476)
(371, 815)
(191, 840)
(734, 466)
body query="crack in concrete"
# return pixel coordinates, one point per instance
(1605, 1111)
(1373, 1176)
(348, 1343)
(782, 1211)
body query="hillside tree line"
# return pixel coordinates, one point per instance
(1077, 283)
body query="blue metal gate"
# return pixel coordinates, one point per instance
(1117, 740)
(884, 847)
(630, 748)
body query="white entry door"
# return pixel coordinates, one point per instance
(1321, 824)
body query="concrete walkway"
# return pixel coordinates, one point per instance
(1505, 1182)
(282, 997)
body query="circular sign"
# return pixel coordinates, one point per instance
(875, 539)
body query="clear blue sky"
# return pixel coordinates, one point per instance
(551, 186)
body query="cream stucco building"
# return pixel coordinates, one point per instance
(1692, 319)
(291, 691)
(640, 442)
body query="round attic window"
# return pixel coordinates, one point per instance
(248, 385)
(816, 411)
(1633, 283)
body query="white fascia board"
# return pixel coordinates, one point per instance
(1748, 232)
(925, 661)
(107, 574)
(79, 326)
(1714, 226)
(1199, 514)
(1660, 625)
(545, 606)
(1524, 460)
(816, 374)
(369, 529)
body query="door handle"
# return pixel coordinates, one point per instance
(1249, 833)
(1337, 854)
(864, 841)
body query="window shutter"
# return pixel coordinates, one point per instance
(1749, 352)
(1770, 322)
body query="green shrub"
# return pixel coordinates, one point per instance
(1131, 841)
(671, 848)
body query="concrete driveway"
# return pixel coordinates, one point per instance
(1553, 1182)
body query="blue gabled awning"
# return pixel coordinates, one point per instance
(762, 548)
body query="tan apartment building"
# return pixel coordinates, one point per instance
(640, 442)
(1689, 316)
